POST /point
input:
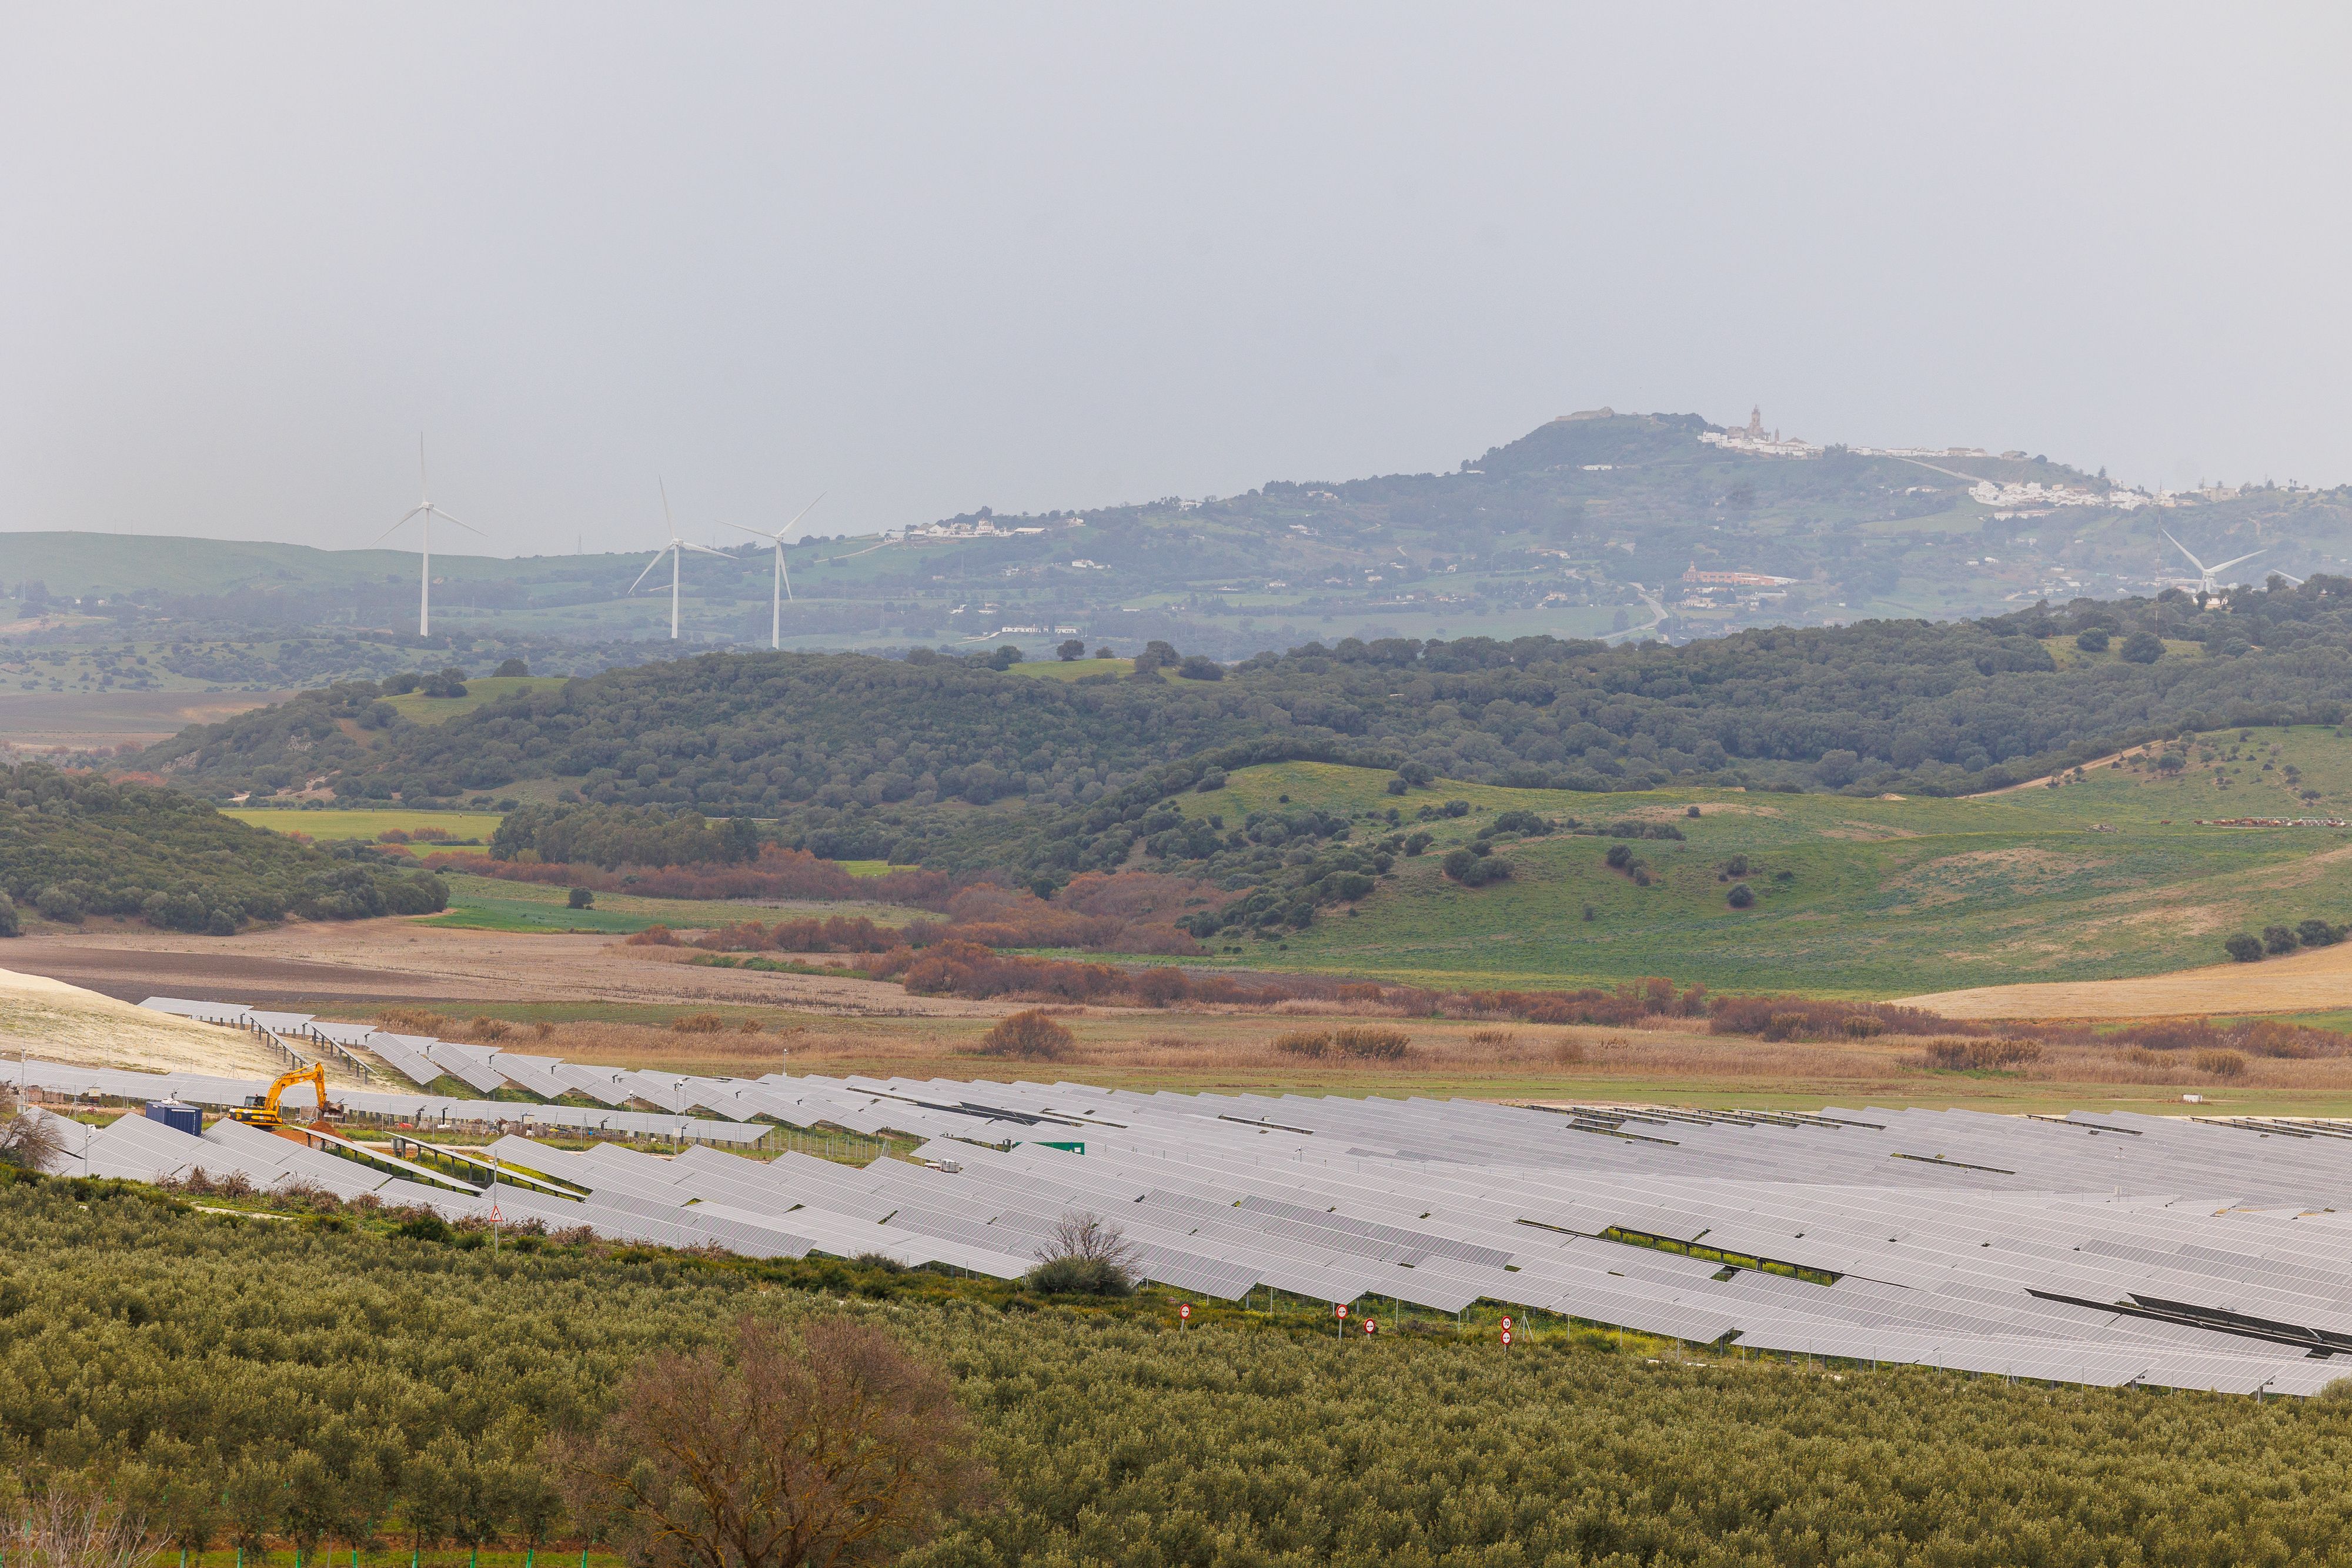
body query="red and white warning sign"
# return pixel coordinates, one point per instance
(1506, 1324)
(1372, 1327)
(1185, 1310)
(1341, 1308)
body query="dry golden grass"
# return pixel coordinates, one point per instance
(1236, 1049)
(1666, 1060)
(49, 1020)
(2316, 980)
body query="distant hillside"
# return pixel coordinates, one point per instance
(1582, 528)
(866, 758)
(73, 846)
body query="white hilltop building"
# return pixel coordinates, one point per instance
(2036, 499)
(1756, 440)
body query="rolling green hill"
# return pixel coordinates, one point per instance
(2108, 875)
(1583, 527)
(72, 846)
(848, 741)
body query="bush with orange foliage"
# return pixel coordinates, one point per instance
(1652, 997)
(959, 968)
(1031, 1036)
(837, 933)
(1804, 1018)
(1982, 1055)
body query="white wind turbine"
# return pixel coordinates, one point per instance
(781, 588)
(674, 548)
(2207, 579)
(425, 509)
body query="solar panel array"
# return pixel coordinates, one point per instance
(206, 1089)
(2097, 1248)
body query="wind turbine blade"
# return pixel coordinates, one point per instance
(804, 511)
(447, 518)
(649, 568)
(422, 487)
(2226, 564)
(706, 549)
(666, 517)
(745, 528)
(398, 526)
(2183, 549)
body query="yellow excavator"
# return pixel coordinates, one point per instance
(262, 1110)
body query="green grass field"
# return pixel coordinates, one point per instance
(2106, 877)
(369, 823)
(479, 690)
(488, 903)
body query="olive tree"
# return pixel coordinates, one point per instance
(829, 1447)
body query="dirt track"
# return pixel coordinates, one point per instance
(395, 961)
(2312, 981)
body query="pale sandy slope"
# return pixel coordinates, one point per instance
(52, 1021)
(2312, 981)
(348, 969)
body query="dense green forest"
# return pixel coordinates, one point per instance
(962, 763)
(73, 845)
(331, 1381)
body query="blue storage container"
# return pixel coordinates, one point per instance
(179, 1118)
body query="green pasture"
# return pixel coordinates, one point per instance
(489, 903)
(369, 823)
(2103, 877)
(479, 690)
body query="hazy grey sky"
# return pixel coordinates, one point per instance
(934, 256)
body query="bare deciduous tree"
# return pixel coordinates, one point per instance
(30, 1139)
(1085, 1255)
(65, 1530)
(1090, 1238)
(835, 1449)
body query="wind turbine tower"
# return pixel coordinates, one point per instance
(781, 588)
(674, 548)
(427, 511)
(2208, 577)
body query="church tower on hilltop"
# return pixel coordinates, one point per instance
(1756, 422)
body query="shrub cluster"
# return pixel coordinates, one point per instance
(1031, 1036)
(1361, 1042)
(1476, 865)
(966, 970)
(1805, 1017)
(1982, 1055)
(2246, 948)
(1620, 857)
(1653, 997)
(834, 934)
